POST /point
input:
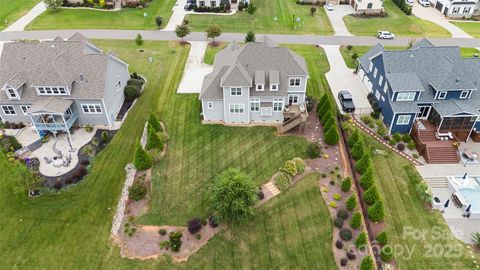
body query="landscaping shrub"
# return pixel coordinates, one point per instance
(403, 6)
(343, 261)
(476, 239)
(371, 195)
(313, 150)
(351, 255)
(332, 136)
(406, 138)
(88, 128)
(358, 149)
(361, 241)
(175, 241)
(131, 92)
(339, 244)
(356, 220)
(401, 146)
(364, 163)
(324, 118)
(366, 180)
(346, 184)
(300, 164)
(332, 182)
(415, 155)
(411, 145)
(282, 181)
(338, 223)
(141, 160)
(329, 122)
(162, 232)
(343, 214)
(376, 212)
(104, 136)
(397, 137)
(333, 204)
(367, 120)
(381, 130)
(153, 140)
(352, 139)
(367, 262)
(194, 225)
(212, 221)
(351, 203)
(154, 123)
(137, 191)
(386, 254)
(337, 197)
(324, 109)
(382, 238)
(289, 168)
(345, 234)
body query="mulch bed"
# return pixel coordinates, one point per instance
(124, 109)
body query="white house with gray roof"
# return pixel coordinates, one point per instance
(51, 85)
(257, 83)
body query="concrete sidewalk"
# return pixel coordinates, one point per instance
(340, 77)
(177, 16)
(21, 23)
(195, 69)
(336, 19)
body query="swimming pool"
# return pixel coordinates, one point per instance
(472, 195)
(467, 191)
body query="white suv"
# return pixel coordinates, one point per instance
(424, 3)
(385, 35)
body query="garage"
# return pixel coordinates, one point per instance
(439, 6)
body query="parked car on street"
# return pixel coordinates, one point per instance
(424, 3)
(346, 101)
(409, 2)
(385, 35)
(329, 6)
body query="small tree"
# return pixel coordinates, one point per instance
(182, 31)
(142, 160)
(313, 150)
(332, 136)
(233, 196)
(346, 184)
(175, 241)
(362, 165)
(376, 212)
(356, 220)
(351, 203)
(158, 21)
(28, 181)
(53, 5)
(367, 180)
(424, 192)
(194, 225)
(251, 9)
(250, 37)
(137, 191)
(104, 136)
(386, 254)
(353, 138)
(139, 40)
(153, 122)
(367, 263)
(358, 149)
(153, 140)
(382, 238)
(213, 31)
(313, 10)
(289, 168)
(361, 241)
(371, 195)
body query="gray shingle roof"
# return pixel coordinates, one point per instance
(53, 63)
(260, 77)
(248, 59)
(51, 104)
(365, 59)
(405, 82)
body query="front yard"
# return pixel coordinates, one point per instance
(263, 21)
(127, 18)
(10, 11)
(472, 28)
(396, 22)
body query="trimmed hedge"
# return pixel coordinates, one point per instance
(141, 160)
(364, 163)
(376, 212)
(154, 123)
(352, 139)
(332, 136)
(371, 195)
(367, 180)
(386, 254)
(358, 150)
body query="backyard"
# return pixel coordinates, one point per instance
(263, 21)
(79, 218)
(127, 18)
(361, 50)
(10, 11)
(405, 212)
(396, 22)
(472, 28)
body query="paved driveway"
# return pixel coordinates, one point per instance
(433, 15)
(177, 15)
(21, 23)
(195, 69)
(336, 19)
(340, 77)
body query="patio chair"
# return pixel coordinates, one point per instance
(47, 160)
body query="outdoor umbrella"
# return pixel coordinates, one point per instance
(468, 208)
(446, 203)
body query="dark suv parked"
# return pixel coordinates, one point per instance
(346, 101)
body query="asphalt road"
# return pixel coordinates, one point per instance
(200, 36)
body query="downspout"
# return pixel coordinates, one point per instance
(106, 113)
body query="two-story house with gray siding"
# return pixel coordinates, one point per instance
(257, 83)
(51, 85)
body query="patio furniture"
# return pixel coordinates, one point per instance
(58, 163)
(470, 155)
(456, 201)
(47, 160)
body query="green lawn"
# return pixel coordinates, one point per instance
(210, 53)
(71, 230)
(396, 22)
(472, 28)
(128, 18)
(10, 11)
(361, 50)
(396, 180)
(263, 20)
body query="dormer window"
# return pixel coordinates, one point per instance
(52, 91)
(12, 93)
(274, 87)
(464, 94)
(294, 82)
(442, 95)
(259, 87)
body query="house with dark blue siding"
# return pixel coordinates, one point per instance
(425, 85)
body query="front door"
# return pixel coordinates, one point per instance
(292, 99)
(424, 112)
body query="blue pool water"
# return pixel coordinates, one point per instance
(472, 195)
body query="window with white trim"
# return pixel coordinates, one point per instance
(464, 94)
(442, 95)
(377, 95)
(455, 10)
(385, 88)
(91, 108)
(118, 85)
(24, 109)
(255, 104)
(380, 81)
(370, 67)
(375, 71)
(259, 87)
(236, 108)
(406, 96)
(9, 110)
(277, 104)
(403, 120)
(236, 91)
(294, 82)
(274, 87)
(383, 98)
(293, 99)
(210, 105)
(12, 93)
(466, 10)
(50, 91)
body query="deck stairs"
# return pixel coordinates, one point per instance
(436, 151)
(437, 182)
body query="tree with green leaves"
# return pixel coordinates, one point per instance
(376, 212)
(351, 203)
(346, 184)
(153, 122)
(358, 149)
(353, 138)
(139, 40)
(232, 196)
(251, 9)
(371, 195)
(153, 140)
(213, 31)
(364, 163)
(53, 5)
(361, 241)
(332, 136)
(141, 160)
(313, 10)
(250, 37)
(356, 220)
(158, 21)
(28, 181)
(367, 263)
(182, 31)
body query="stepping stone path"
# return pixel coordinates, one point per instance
(270, 186)
(386, 144)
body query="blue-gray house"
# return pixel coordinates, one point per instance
(428, 84)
